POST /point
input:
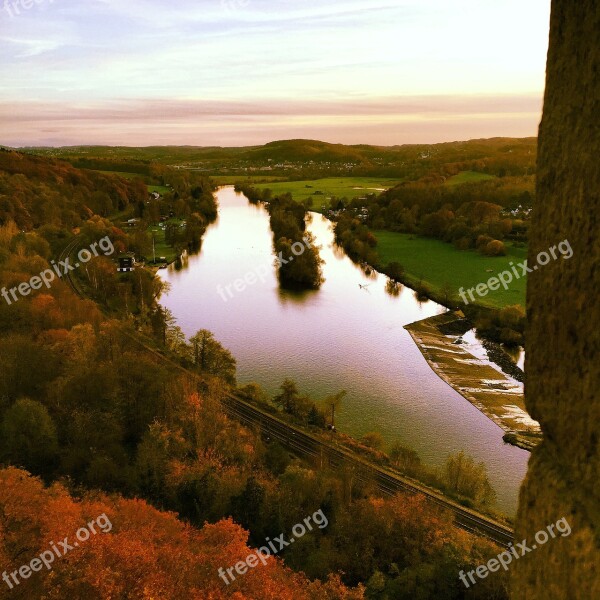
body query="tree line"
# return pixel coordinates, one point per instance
(297, 256)
(102, 420)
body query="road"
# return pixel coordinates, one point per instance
(307, 445)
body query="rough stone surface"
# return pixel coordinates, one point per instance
(562, 382)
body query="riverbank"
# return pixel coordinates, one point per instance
(495, 394)
(156, 267)
(444, 269)
(341, 337)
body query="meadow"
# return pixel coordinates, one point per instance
(160, 245)
(322, 189)
(438, 263)
(250, 179)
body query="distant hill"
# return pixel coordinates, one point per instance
(301, 159)
(307, 150)
(296, 150)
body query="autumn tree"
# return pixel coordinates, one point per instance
(289, 397)
(373, 439)
(28, 437)
(495, 248)
(139, 552)
(405, 459)
(210, 357)
(293, 403)
(463, 476)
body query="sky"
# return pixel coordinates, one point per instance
(245, 72)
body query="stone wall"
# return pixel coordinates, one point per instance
(563, 340)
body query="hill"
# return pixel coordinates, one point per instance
(310, 158)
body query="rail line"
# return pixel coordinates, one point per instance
(310, 446)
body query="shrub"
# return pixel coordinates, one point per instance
(495, 248)
(395, 270)
(463, 243)
(483, 241)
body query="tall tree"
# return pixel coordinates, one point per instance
(210, 357)
(28, 437)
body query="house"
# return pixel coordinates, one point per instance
(126, 262)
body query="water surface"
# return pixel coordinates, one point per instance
(339, 337)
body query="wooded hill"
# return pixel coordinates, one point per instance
(496, 156)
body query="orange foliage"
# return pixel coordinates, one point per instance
(147, 554)
(54, 337)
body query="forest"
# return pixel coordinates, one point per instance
(187, 489)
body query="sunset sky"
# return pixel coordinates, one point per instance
(239, 72)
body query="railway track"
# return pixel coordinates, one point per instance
(307, 445)
(388, 482)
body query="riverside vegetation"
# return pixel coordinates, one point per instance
(93, 443)
(296, 270)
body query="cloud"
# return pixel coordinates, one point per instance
(153, 64)
(171, 110)
(357, 120)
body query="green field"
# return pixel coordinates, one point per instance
(438, 263)
(160, 246)
(468, 177)
(342, 187)
(251, 179)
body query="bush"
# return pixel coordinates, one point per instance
(495, 248)
(463, 243)
(483, 241)
(395, 271)
(422, 291)
(373, 440)
(506, 326)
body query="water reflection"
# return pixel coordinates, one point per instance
(517, 354)
(342, 336)
(393, 288)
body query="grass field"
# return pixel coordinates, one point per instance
(348, 187)
(252, 179)
(160, 246)
(468, 177)
(438, 263)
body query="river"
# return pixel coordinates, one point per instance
(339, 337)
